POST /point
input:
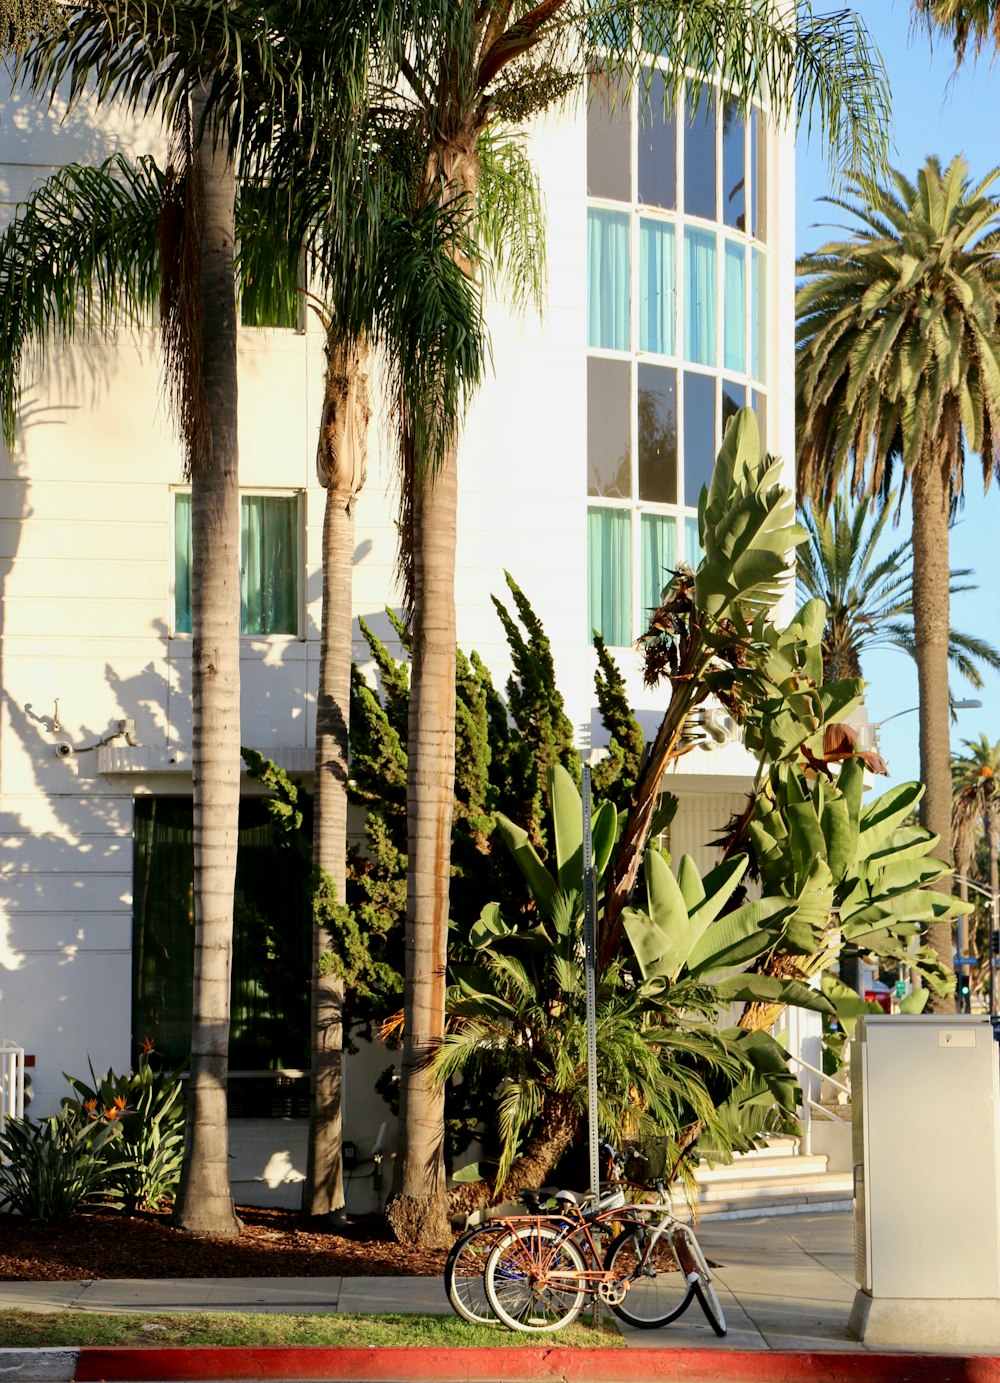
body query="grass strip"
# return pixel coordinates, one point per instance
(50, 1330)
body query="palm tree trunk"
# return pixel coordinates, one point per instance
(418, 1208)
(931, 577)
(340, 463)
(543, 1150)
(205, 1202)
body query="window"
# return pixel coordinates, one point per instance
(269, 564)
(677, 310)
(272, 939)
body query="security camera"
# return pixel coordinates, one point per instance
(63, 750)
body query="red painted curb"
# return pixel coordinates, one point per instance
(555, 1365)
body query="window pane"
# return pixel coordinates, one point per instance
(607, 142)
(271, 938)
(699, 156)
(758, 175)
(609, 561)
(733, 168)
(693, 551)
(182, 564)
(699, 434)
(734, 397)
(609, 450)
(699, 296)
(657, 434)
(657, 148)
(758, 316)
(269, 597)
(659, 558)
(734, 308)
(656, 287)
(608, 279)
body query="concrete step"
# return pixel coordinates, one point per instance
(760, 1168)
(833, 1183)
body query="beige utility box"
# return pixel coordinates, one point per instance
(926, 1106)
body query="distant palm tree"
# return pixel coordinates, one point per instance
(898, 372)
(966, 21)
(869, 595)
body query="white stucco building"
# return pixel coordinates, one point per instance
(670, 302)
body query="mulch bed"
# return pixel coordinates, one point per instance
(274, 1243)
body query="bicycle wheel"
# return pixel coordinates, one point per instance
(690, 1256)
(656, 1290)
(464, 1273)
(534, 1279)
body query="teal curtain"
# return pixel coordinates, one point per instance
(734, 308)
(699, 296)
(609, 572)
(659, 558)
(269, 571)
(656, 287)
(182, 563)
(608, 279)
(269, 597)
(758, 316)
(693, 551)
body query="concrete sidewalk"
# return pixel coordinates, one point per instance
(786, 1284)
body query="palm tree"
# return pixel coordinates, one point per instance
(868, 594)
(966, 21)
(898, 370)
(377, 271)
(474, 68)
(976, 806)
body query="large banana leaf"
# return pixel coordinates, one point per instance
(738, 938)
(771, 989)
(537, 877)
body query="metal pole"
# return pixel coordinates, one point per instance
(590, 970)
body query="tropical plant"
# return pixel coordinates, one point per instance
(517, 1011)
(868, 592)
(149, 1110)
(51, 1167)
(975, 22)
(473, 69)
(975, 815)
(898, 372)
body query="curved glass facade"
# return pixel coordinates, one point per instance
(676, 323)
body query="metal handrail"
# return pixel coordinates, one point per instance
(838, 1085)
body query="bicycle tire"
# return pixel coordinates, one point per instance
(704, 1287)
(465, 1273)
(516, 1285)
(659, 1291)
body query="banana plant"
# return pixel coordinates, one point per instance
(858, 875)
(665, 1065)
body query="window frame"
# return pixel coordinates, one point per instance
(267, 491)
(755, 342)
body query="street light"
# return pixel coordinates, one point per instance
(971, 704)
(994, 907)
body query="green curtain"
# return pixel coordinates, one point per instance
(656, 287)
(269, 566)
(269, 597)
(699, 296)
(271, 939)
(609, 568)
(734, 308)
(182, 563)
(608, 279)
(659, 558)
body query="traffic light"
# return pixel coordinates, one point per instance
(964, 993)
(995, 943)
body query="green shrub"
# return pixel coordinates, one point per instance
(52, 1167)
(148, 1108)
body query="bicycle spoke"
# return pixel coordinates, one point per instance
(534, 1282)
(657, 1291)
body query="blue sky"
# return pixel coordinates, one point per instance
(934, 112)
